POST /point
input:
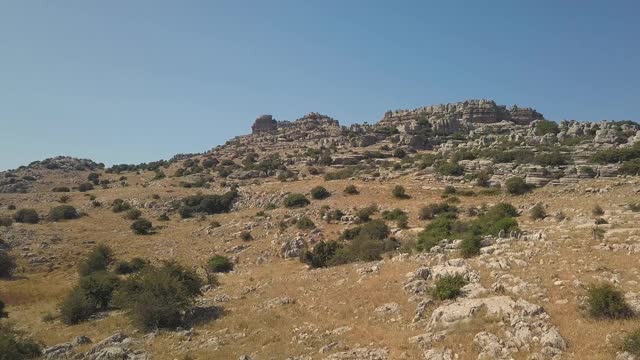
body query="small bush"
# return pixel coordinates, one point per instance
(630, 167)
(364, 214)
(157, 297)
(432, 210)
(6, 221)
(76, 307)
(120, 205)
(448, 287)
(99, 259)
(320, 193)
(631, 343)
(351, 190)
(129, 267)
(470, 247)
(605, 301)
(27, 216)
(164, 217)
(448, 190)
(132, 214)
(13, 346)
(304, 223)
(597, 210)
(483, 178)
(219, 264)
(7, 264)
(142, 226)
(85, 187)
(321, 254)
(61, 189)
(3, 314)
(296, 201)
(450, 169)
(339, 174)
(399, 192)
(538, 212)
(63, 212)
(98, 287)
(517, 186)
(544, 127)
(245, 236)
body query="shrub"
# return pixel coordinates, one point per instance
(394, 215)
(61, 189)
(630, 167)
(399, 153)
(11, 207)
(617, 155)
(351, 190)
(304, 223)
(157, 297)
(64, 198)
(141, 226)
(132, 214)
(554, 158)
(483, 178)
(321, 254)
(517, 186)
(538, 212)
(432, 210)
(128, 267)
(631, 343)
(320, 193)
(296, 201)
(98, 287)
(470, 247)
(7, 264)
(3, 314)
(120, 205)
(76, 307)
(245, 236)
(448, 190)
(164, 217)
(448, 287)
(6, 221)
(399, 192)
(27, 216)
(605, 301)
(207, 204)
(219, 264)
(597, 210)
(13, 346)
(85, 187)
(364, 214)
(601, 221)
(63, 212)
(339, 174)
(99, 259)
(450, 169)
(544, 127)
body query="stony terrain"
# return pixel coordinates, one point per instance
(524, 292)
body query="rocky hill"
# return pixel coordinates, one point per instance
(459, 231)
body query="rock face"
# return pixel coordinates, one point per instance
(264, 123)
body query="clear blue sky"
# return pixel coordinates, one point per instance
(124, 81)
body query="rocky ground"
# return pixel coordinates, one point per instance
(524, 294)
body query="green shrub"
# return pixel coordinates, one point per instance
(517, 186)
(351, 190)
(399, 153)
(61, 189)
(157, 297)
(76, 307)
(482, 178)
(63, 212)
(98, 287)
(120, 205)
(630, 167)
(631, 343)
(296, 201)
(339, 174)
(399, 192)
(304, 223)
(99, 259)
(544, 127)
(164, 217)
(207, 204)
(617, 155)
(448, 190)
(14, 346)
(85, 187)
(142, 226)
(132, 214)
(6, 221)
(219, 264)
(432, 210)
(246, 236)
(605, 301)
(538, 212)
(470, 247)
(394, 215)
(321, 254)
(448, 287)
(364, 214)
(27, 216)
(3, 314)
(450, 169)
(7, 264)
(129, 267)
(601, 221)
(320, 193)
(554, 158)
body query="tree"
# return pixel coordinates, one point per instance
(141, 226)
(99, 259)
(517, 186)
(63, 212)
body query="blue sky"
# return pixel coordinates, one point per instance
(134, 81)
